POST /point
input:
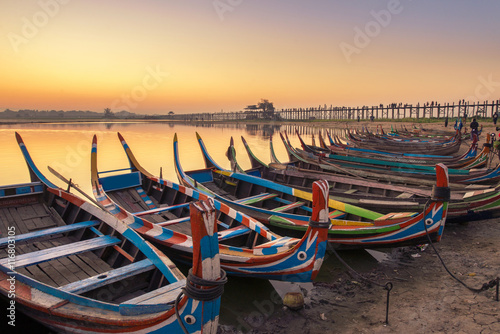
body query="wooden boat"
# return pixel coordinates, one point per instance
(311, 162)
(483, 176)
(156, 208)
(77, 269)
(351, 226)
(372, 163)
(468, 160)
(447, 146)
(464, 205)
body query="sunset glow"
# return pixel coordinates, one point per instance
(153, 56)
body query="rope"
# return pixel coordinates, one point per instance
(176, 307)
(202, 289)
(439, 193)
(388, 286)
(313, 223)
(486, 286)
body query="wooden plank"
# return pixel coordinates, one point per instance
(44, 222)
(256, 199)
(138, 199)
(109, 277)
(20, 225)
(41, 210)
(233, 232)
(45, 267)
(49, 232)
(184, 227)
(65, 250)
(75, 270)
(161, 209)
(4, 222)
(56, 217)
(155, 219)
(94, 261)
(88, 262)
(168, 215)
(350, 191)
(84, 267)
(26, 212)
(405, 195)
(285, 201)
(158, 294)
(32, 224)
(145, 198)
(60, 266)
(68, 263)
(124, 199)
(288, 207)
(34, 271)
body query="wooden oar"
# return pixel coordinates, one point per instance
(71, 184)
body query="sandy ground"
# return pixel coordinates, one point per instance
(424, 298)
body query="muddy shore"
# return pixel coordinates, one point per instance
(424, 298)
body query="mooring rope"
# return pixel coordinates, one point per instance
(387, 286)
(486, 286)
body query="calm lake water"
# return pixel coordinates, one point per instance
(66, 148)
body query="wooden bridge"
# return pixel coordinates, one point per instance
(391, 111)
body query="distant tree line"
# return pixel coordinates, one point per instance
(29, 113)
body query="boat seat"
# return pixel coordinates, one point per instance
(108, 277)
(256, 198)
(287, 202)
(161, 209)
(396, 215)
(275, 246)
(21, 189)
(405, 195)
(49, 232)
(53, 253)
(233, 232)
(350, 191)
(288, 207)
(153, 301)
(159, 294)
(145, 198)
(121, 181)
(336, 214)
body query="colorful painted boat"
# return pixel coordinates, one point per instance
(464, 205)
(155, 208)
(446, 146)
(75, 268)
(337, 146)
(406, 176)
(467, 160)
(287, 209)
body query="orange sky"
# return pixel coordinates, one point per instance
(154, 56)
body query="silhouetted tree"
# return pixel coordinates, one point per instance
(267, 108)
(108, 113)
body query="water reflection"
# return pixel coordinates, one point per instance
(66, 146)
